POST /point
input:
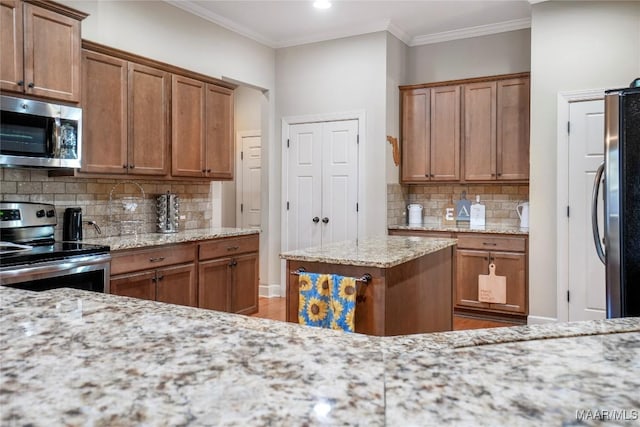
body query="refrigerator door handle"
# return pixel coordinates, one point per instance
(594, 213)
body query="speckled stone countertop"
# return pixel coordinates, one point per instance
(157, 239)
(71, 357)
(381, 251)
(489, 228)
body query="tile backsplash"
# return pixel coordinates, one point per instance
(92, 195)
(500, 201)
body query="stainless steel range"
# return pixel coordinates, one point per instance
(31, 259)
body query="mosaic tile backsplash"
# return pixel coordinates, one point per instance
(92, 195)
(500, 201)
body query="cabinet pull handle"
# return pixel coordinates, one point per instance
(31, 85)
(158, 259)
(489, 244)
(20, 82)
(233, 248)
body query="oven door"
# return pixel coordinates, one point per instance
(89, 273)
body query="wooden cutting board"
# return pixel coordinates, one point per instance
(492, 288)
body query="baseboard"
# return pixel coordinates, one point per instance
(540, 320)
(269, 291)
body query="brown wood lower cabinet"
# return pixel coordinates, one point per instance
(229, 283)
(475, 251)
(219, 274)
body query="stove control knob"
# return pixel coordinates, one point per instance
(51, 213)
(40, 213)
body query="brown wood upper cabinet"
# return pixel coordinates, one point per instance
(40, 44)
(496, 130)
(125, 117)
(466, 130)
(202, 129)
(431, 134)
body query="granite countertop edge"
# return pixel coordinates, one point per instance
(117, 243)
(489, 229)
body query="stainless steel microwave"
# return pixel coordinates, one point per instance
(39, 134)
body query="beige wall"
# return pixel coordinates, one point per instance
(397, 55)
(494, 54)
(574, 46)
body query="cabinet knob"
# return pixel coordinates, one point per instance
(160, 277)
(132, 166)
(208, 170)
(124, 166)
(325, 220)
(204, 171)
(31, 85)
(20, 82)
(316, 219)
(499, 174)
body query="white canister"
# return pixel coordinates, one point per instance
(415, 214)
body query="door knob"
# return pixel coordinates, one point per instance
(325, 220)
(316, 219)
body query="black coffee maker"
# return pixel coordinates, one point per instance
(72, 224)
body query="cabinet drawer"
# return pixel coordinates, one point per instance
(491, 243)
(228, 247)
(144, 259)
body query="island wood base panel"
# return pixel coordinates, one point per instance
(410, 298)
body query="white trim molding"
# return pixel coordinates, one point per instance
(562, 191)
(540, 320)
(465, 33)
(269, 291)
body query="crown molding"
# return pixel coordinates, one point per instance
(230, 25)
(480, 30)
(355, 30)
(399, 33)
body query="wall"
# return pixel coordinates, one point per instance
(92, 195)
(339, 76)
(500, 201)
(397, 55)
(494, 54)
(157, 30)
(574, 46)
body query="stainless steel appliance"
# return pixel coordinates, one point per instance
(621, 193)
(167, 208)
(39, 134)
(31, 259)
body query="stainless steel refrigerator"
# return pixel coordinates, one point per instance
(621, 193)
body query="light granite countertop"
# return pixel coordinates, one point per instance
(71, 357)
(463, 228)
(380, 251)
(157, 239)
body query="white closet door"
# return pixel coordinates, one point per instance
(339, 219)
(304, 185)
(250, 182)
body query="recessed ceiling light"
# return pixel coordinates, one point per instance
(322, 4)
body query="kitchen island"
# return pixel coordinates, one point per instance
(410, 284)
(72, 357)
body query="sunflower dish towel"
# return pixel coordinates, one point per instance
(327, 301)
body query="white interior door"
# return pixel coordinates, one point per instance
(322, 184)
(587, 298)
(304, 189)
(339, 181)
(248, 188)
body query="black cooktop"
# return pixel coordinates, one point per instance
(51, 252)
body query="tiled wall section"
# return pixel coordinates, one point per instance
(92, 195)
(500, 201)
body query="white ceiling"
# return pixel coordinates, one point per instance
(294, 22)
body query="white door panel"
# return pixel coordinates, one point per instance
(250, 181)
(586, 272)
(322, 183)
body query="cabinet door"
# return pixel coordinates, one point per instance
(187, 127)
(244, 285)
(214, 278)
(470, 264)
(177, 285)
(480, 131)
(512, 265)
(149, 95)
(513, 129)
(219, 132)
(137, 285)
(104, 114)
(445, 133)
(51, 54)
(11, 45)
(416, 134)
